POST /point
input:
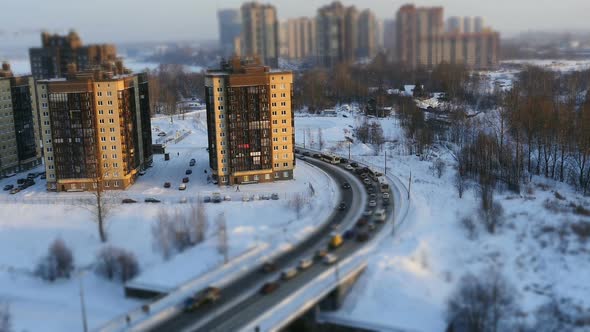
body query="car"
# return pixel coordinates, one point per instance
(21, 181)
(183, 200)
(269, 287)
(349, 234)
(9, 175)
(361, 222)
(152, 200)
(366, 181)
(321, 253)
(362, 237)
(346, 185)
(385, 202)
(302, 158)
(142, 173)
(14, 191)
(128, 201)
(297, 151)
(343, 160)
(385, 195)
(269, 266)
(305, 263)
(380, 216)
(378, 174)
(227, 198)
(371, 227)
(317, 155)
(185, 180)
(342, 206)
(372, 203)
(372, 196)
(368, 213)
(216, 198)
(8, 187)
(274, 197)
(207, 199)
(336, 241)
(193, 162)
(289, 273)
(265, 197)
(307, 154)
(330, 259)
(182, 186)
(167, 185)
(355, 165)
(349, 167)
(43, 176)
(188, 172)
(370, 189)
(245, 198)
(162, 134)
(255, 197)
(31, 175)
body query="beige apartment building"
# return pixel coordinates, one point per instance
(250, 123)
(260, 33)
(95, 129)
(298, 38)
(19, 135)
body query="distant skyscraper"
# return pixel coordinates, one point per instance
(478, 24)
(337, 34)
(260, 33)
(298, 38)
(367, 34)
(230, 27)
(389, 35)
(455, 24)
(468, 25)
(62, 54)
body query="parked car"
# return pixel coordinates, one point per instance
(307, 154)
(245, 198)
(227, 198)
(31, 175)
(188, 172)
(128, 201)
(385, 195)
(371, 227)
(21, 181)
(361, 222)
(368, 213)
(317, 155)
(8, 187)
(162, 134)
(289, 273)
(207, 199)
(182, 186)
(43, 176)
(380, 216)
(330, 259)
(167, 185)
(343, 160)
(265, 197)
(216, 198)
(269, 287)
(152, 200)
(268, 267)
(342, 206)
(185, 180)
(14, 191)
(305, 263)
(192, 163)
(336, 241)
(346, 185)
(208, 295)
(355, 165)
(274, 197)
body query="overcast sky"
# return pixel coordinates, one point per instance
(150, 20)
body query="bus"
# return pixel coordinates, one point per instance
(331, 159)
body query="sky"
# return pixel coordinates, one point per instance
(150, 20)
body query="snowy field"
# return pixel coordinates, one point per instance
(33, 218)
(410, 277)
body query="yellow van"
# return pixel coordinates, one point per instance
(336, 241)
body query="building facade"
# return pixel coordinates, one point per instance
(230, 28)
(19, 134)
(423, 41)
(59, 55)
(368, 33)
(250, 123)
(298, 38)
(260, 33)
(96, 130)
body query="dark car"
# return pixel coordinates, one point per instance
(297, 151)
(349, 234)
(321, 253)
(343, 160)
(208, 295)
(188, 172)
(269, 287)
(274, 197)
(207, 199)
(152, 200)
(167, 185)
(21, 181)
(28, 183)
(317, 155)
(43, 176)
(361, 222)
(355, 165)
(185, 180)
(362, 237)
(346, 185)
(14, 191)
(128, 201)
(269, 267)
(305, 153)
(31, 175)
(8, 187)
(342, 206)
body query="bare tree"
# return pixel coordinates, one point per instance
(5, 318)
(222, 238)
(439, 167)
(162, 234)
(491, 212)
(102, 203)
(460, 183)
(199, 221)
(58, 263)
(321, 142)
(116, 263)
(486, 303)
(297, 203)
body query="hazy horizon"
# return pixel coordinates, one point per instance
(174, 20)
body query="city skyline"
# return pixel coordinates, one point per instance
(184, 20)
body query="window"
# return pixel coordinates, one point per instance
(277, 165)
(284, 121)
(106, 165)
(285, 164)
(276, 148)
(283, 103)
(114, 147)
(110, 102)
(284, 130)
(111, 112)
(104, 156)
(114, 156)
(116, 183)
(101, 121)
(284, 112)
(115, 165)
(113, 139)
(99, 93)
(109, 93)
(112, 130)
(111, 120)
(102, 130)
(267, 176)
(286, 175)
(101, 112)
(100, 103)
(103, 139)
(104, 148)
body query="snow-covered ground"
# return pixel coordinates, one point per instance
(33, 218)
(409, 278)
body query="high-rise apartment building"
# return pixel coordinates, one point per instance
(250, 123)
(230, 28)
(367, 34)
(95, 130)
(59, 55)
(337, 32)
(389, 35)
(298, 38)
(260, 33)
(423, 41)
(19, 135)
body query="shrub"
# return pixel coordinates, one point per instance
(116, 263)
(58, 263)
(5, 318)
(470, 226)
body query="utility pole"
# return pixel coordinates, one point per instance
(385, 162)
(83, 305)
(303, 138)
(349, 143)
(410, 185)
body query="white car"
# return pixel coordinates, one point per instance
(182, 186)
(348, 167)
(227, 198)
(245, 198)
(330, 259)
(372, 204)
(305, 263)
(386, 195)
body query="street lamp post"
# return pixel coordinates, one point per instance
(83, 304)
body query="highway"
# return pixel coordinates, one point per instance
(241, 300)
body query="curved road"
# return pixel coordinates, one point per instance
(241, 301)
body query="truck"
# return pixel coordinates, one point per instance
(208, 295)
(336, 241)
